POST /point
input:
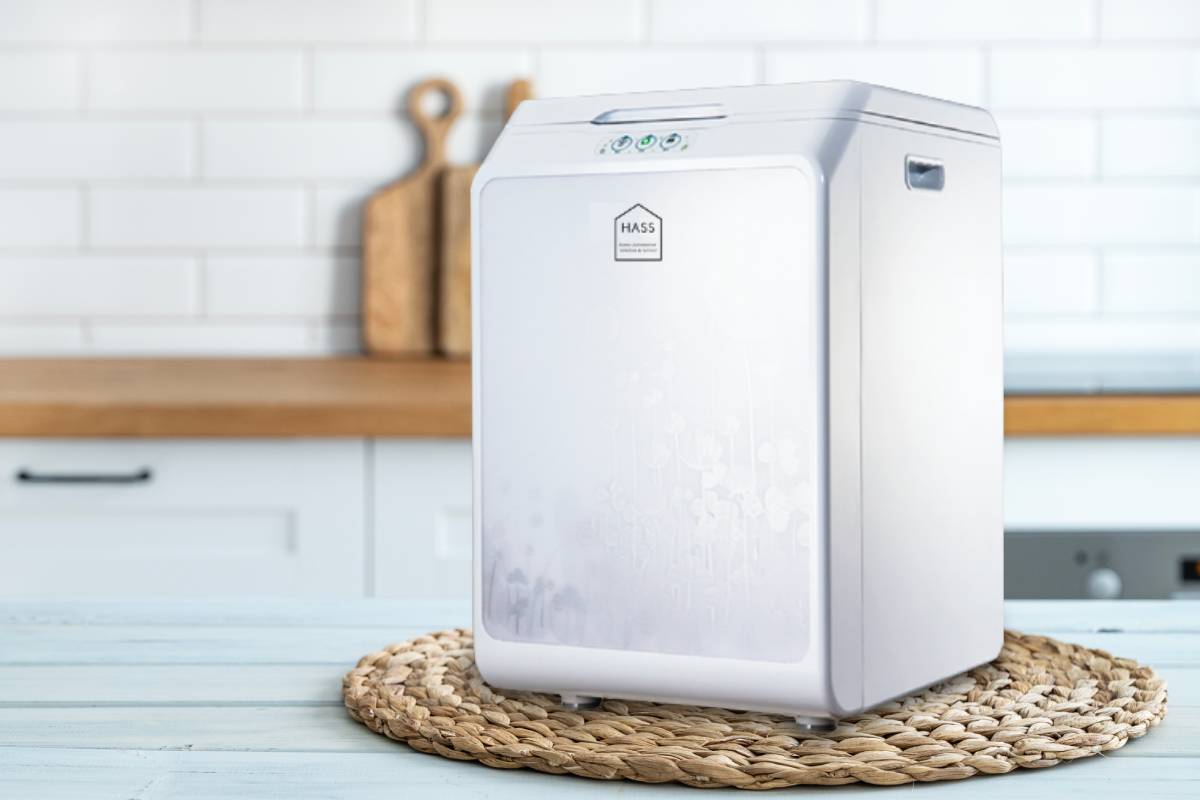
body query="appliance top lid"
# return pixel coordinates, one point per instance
(749, 102)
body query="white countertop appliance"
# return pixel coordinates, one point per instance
(738, 401)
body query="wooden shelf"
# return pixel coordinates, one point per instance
(352, 397)
(359, 397)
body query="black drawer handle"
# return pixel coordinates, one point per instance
(143, 475)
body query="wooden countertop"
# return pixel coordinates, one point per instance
(234, 397)
(1102, 415)
(360, 397)
(240, 698)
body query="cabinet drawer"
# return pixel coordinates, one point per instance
(181, 517)
(422, 522)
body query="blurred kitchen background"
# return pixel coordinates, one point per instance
(183, 178)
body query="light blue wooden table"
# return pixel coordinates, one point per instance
(241, 698)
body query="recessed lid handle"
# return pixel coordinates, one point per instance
(621, 116)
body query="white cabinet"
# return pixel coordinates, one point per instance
(421, 525)
(1102, 483)
(171, 517)
(392, 517)
(309, 517)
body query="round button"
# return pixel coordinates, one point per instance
(670, 141)
(647, 141)
(1104, 584)
(621, 142)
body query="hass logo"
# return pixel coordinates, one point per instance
(637, 235)
(638, 227)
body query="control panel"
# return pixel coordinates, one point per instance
(662, 142)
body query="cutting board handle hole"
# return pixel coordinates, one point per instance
(435, 104)
(436, 100)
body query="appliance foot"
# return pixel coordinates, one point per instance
(816, 724)
(577, 702)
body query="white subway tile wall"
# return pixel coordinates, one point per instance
(188, 175)
(59, 22)
(1050, 282)
(97, 286)
(45, 219)
(305, 21)
(196, 80)
(92, 149)
(953, 73)
(204, 217)
(39, 80)
(758, 21)
(627, 69)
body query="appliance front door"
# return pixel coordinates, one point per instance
(652, 376)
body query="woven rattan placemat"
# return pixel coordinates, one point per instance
(1041, 702)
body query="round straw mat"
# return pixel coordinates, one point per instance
(1041, 702)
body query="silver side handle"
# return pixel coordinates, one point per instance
(623, 116)
(143, 475)
(928, 174)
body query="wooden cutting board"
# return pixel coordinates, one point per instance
(400, 239)
(454, 284)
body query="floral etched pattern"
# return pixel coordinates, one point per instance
(695, 539)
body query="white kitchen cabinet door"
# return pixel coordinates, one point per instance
(1102, 483)
(421, 492)
(182, 518)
